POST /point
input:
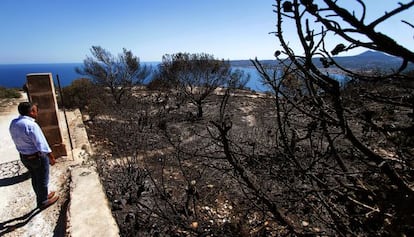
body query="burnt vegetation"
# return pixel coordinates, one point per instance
(312, 157)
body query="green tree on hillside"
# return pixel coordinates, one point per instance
(9, 93)
(195, 75)
(82, 93)
(119, 74)
(198, 75)
(79, 93)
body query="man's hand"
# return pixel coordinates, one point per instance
(52, 159)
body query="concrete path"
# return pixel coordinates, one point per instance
(82, 209)
(7, 149)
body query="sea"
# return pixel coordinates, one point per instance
(14, 75)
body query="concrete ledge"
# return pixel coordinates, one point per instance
(89, 213)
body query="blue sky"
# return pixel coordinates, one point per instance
(56, 31)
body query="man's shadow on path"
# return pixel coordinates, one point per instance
(14, 180)
(15, 223)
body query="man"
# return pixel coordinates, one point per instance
(35, 152)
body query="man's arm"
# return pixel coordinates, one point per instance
(52, 159)
(41, 143)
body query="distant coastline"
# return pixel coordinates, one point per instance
(14, 75)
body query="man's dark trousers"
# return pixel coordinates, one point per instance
(39, 171)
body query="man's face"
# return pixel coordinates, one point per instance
(33, 112)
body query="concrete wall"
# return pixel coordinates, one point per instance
(41, 90)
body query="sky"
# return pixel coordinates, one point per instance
(60, 31)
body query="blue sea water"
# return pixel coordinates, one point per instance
(14, 75)
(255, 83)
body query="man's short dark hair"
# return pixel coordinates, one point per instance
(24, 108)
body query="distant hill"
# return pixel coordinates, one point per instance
(373, 54)
(367, 60)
